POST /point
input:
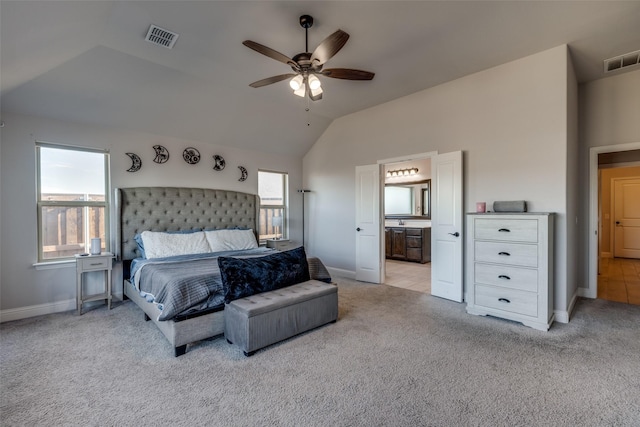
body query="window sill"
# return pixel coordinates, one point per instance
(49, 265)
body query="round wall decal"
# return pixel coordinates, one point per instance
(162, 154)
(219, 163)
(136, 162)
(243, 173)
(191, 155)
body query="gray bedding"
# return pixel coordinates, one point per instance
(190, 283)
(184, 284)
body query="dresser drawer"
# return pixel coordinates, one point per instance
(524, 279)
(507, 253)
(98, 263)
(511, 230)
(511, 300)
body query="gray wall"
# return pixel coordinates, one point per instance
(515, 124)
(26, 291)
(609, 115)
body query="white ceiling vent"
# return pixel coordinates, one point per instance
(627, 60)
(161, 37)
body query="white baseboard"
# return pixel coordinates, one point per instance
(347, 274)
(563, 316)
(36, 310)
(587, 293)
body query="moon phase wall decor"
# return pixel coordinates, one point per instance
(162, 154)
(243, 173)
(219, 163)
(191, 155)
(136, 162)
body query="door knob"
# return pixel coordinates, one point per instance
(358, 229)
(456, 234)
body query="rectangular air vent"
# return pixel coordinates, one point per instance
(161, 37)
(627, 60)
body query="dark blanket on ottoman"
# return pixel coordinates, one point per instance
(245, 277)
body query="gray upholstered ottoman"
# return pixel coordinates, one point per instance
(263, 319)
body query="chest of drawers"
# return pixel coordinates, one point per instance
(509, 269)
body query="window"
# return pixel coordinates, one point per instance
(272, 189)
(73, 202)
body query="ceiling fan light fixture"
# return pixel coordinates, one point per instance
(296, 82)
(314, 82)
(315, 92)
(301, 92)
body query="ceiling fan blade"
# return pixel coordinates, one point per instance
(274, 54)
(347, 74)
(329, 47)
(270, 80)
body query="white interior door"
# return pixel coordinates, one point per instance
(626, 214)
(369, 260)
(447, 227)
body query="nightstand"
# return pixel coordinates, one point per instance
(279, 244)
(87, 263)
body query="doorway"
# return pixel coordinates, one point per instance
(408, 210)
(614, 274)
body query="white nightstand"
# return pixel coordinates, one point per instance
(87, 263)
(279, 244)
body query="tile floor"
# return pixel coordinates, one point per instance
(408, 275)
(619, 280)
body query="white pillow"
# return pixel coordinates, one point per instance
(160, 244)
(231, 240)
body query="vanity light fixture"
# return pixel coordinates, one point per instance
(402, 172)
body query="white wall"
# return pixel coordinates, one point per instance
(26, 291)
(574, 216)
(609, 115)
(510, 121)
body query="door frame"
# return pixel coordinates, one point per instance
(407, 158)
(592, 290)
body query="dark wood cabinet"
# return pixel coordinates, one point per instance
(398, 246)
(408, 244)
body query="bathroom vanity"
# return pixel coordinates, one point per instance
(406, 243)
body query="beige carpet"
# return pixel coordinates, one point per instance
(394, 358)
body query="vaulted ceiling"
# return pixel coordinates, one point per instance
(88, 62)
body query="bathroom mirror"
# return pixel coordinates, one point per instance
(408, 200)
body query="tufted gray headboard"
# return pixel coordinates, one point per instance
(176, 209)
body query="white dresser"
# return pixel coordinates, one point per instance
(509, 270)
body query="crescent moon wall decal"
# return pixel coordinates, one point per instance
(219, 163)
(162, 154)
(243, 173)
(136, 162)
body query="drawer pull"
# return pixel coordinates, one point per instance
(96, 263)
(504, 300)
(504, 253)
(504, 230)
(502, 276)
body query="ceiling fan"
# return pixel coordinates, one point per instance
(308, 66)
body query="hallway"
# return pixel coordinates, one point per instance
(619, 280)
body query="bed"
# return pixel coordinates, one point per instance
(173, 209)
